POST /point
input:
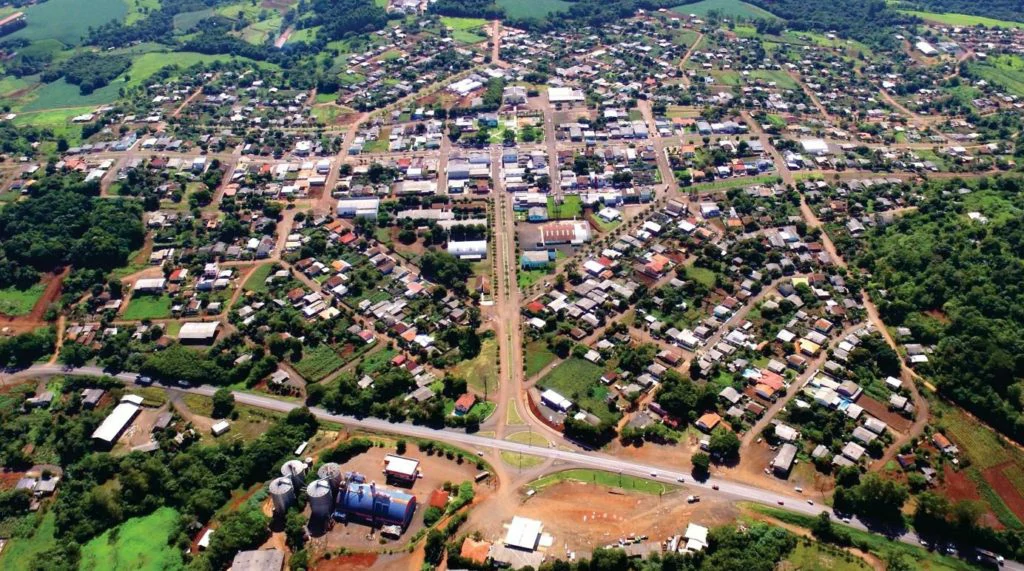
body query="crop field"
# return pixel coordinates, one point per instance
(185, 21)
(534, 8)
(728, 8)
(68, 20)
(148, 307)
(63, 94)
(963, 19)
(137, 544)
(580, 382)
(1005, 70)
(14, 301)
(318, 362)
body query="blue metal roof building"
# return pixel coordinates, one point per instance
(376, 504)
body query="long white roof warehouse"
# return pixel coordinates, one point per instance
(117, 420)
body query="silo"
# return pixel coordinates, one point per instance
(321, 499)
(296, 470)
(331, 472)
(282, 493)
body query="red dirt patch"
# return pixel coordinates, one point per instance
(1011, 496)
(959, 487)
(34, 319)
(10, 479)
(347, 562)
(881, 412)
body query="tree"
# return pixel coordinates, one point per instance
(223, 403)
(725, 445)
(74, 354)
(434, 548)
(295, 529)
(701, 463)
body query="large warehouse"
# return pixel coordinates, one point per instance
(376, 505)
(118, 419)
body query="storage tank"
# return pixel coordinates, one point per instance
(321, 499)
(331, 472)
(296, 470)
(282, 494)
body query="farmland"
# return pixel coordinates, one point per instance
(728, 8)
(963, 20)
(318, 362)
(532, 8)
(580, 382)
(1006, 70)
(137, 544)
(14, 302)
(68, 20)
(148, 307)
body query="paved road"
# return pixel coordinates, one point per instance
(725, 488)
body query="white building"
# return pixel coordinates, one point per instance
(468, 250)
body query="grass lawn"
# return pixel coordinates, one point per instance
(532, 8)
(199, 404)
(537, 356)
(818, 556)
(517, 460)
(512, 417)
(258, 278)
(527, 437)
(608, 479)
(580, 382)
(137, 544)
(481, 372)
(877, 544)
(68, 20)
(466, 30)
(318, 362)
(148, 307)
(19, 552)
(732, 183)
(14, 302)
(59, 120)
(527, 278)
(571, 207)
(702, 275)
(964, 20)
(727, 8)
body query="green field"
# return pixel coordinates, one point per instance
(14, 302)
(702, 275)
(258, 279)
(318, 362)
(148, 307)
(68, 20)
(580, 382)
(600, 478)
(527, 278)
(727, 8)
(59, 120)
(571, 207)
(481, 372)
(137, 9)
(376, 361)
(19, 552)
(466, 30)
(537, 356)
(963, 20)
(138, 544)
(63, 94)
(532, 8)
(1005, 70)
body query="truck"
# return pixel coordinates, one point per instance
(692, 499)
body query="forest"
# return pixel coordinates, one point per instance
(66, 224)
(870, 21)
(88, 70)
(999, 9)
(959, 284)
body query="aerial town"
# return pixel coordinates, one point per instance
(525, 284)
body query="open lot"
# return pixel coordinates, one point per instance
(580, 382)
(537, 356)
(318, 362)
(138, 544)
(148, 307)
(15, 302)
(481, 372)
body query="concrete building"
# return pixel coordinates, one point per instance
(198, 333)
(358, 207)
(402, 469)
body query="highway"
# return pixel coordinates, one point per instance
(588, 459)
